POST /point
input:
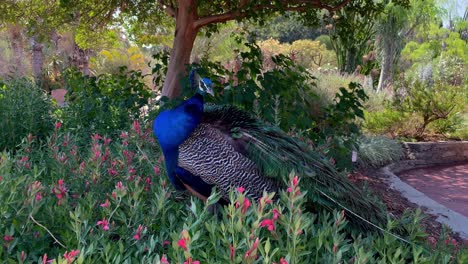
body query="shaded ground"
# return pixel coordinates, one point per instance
(396, 203)
(448, 185)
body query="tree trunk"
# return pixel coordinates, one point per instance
(37, 60)
(184, 39)
(80, 59)
(350, 62)
(16, 42)
(387, 70)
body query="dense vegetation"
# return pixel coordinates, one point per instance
(84, 182)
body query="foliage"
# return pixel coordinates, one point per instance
(430, 102)
(325, 40)
(24, 109)
(111, 203)
(309, 54)
(378, 151)
(329, 82)
(111, 61)
(387, 121)
(286, 28)
(104, 104)
(434, 43)
(312, 54)
(221, 46)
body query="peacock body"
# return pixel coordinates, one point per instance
(208, 145)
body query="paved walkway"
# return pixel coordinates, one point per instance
(448, 185)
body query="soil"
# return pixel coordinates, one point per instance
(397, 204)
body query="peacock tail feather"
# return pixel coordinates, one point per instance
(230, 148)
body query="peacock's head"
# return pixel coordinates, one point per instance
(202, 85)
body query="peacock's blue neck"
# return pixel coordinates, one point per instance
(173, 127)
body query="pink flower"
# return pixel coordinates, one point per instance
(119, 185)
(82, 166)
(104, 223)
(282, 261)
(70, 256)
(240, 189)
(96, 151)
(190, 261)
(112, 172)
(45, 260)
(164, 260)
(106, 204)
(138, 233)
(58, 125)
(128, 155)
(276, 214)
(60, 191)
(96, 137)
(252, 252)
(432, 241)
(124, 135)
(270, 224)
(107, 141)
(148, 183)
(136, 126)
(38, 197)
(7, 238)
(25, 162)
(294, 188)
(182, 244)
(295, 181)
(156, 170)
(232, 252)
(245, 205)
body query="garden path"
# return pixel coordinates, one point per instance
(447, 184)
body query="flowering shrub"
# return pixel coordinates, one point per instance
(111, 203)
(24, 108)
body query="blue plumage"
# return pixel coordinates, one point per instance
(172, 127)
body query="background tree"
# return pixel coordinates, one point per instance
(351, 30)
(191, 16)
(395, 27)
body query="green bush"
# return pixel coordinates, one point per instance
(104, 104)
(431, 101)
(112, 203)
(378, 151)
(24, 109)
(385, 122)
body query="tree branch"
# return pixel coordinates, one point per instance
(298, 6)
(170, 10)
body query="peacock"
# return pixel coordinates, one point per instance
(208, 145)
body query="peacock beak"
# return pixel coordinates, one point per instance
(206, 85)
